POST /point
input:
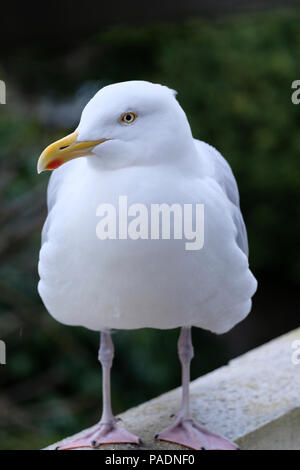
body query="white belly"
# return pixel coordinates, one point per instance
(128, 284)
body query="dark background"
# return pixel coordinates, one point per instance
(232, 64)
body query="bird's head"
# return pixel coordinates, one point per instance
(129, 123)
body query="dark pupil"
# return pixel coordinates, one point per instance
(128, 117)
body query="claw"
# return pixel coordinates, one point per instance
(187, 433)
(103, 434)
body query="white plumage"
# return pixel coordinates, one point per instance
(127, 284)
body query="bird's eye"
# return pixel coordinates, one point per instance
(128, 118)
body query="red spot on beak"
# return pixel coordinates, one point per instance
(54, 164)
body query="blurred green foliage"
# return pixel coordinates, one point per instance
(234, 81)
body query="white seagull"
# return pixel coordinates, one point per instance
(134, 140)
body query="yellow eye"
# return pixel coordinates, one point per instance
(128, 118)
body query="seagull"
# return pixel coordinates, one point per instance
(134, 140)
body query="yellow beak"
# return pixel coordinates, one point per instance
(64, 150)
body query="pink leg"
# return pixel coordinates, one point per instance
(107, 431)
(185, 431)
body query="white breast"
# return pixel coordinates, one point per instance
(127, 284)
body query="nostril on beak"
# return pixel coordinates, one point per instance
(63, 147)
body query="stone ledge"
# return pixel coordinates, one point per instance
(254, 400)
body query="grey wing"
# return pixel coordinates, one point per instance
(55, 182)
(222, 173)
